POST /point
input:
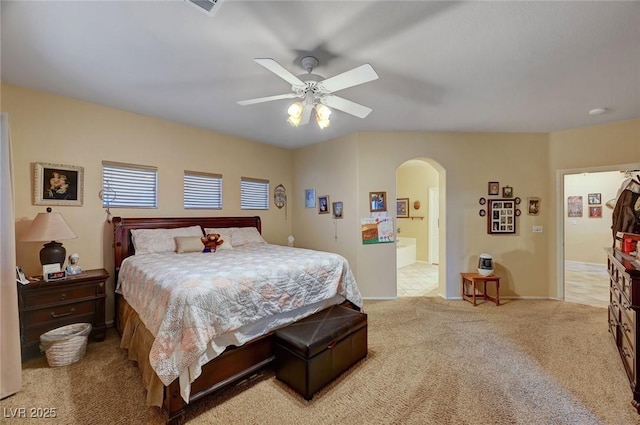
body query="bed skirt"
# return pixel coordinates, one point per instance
(137, 339)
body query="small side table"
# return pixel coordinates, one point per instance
(472, 280)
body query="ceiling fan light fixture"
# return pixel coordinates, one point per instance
(294, 121)
(323, 112)
(322, 116)
(322, 123)
(295, 110)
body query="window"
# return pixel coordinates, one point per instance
(202, 190)
(129, 186)
(254, 194)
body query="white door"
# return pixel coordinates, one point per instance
(434, 221)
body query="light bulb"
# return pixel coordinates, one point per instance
(322, 123)
(323, 112)
(295, 110)
(293, 120)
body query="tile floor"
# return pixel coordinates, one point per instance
(586, 283)
(419, 279)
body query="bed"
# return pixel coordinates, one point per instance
(180, 366)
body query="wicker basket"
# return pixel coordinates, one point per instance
(65, 345)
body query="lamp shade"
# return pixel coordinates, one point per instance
(50, 226)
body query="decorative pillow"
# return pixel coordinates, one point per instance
(246, 235)
(225, 234)
(227, 241)
(147, 241)
(186, 244)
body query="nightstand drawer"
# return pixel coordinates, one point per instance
(58, 295)
(54, 313)
(32, 333)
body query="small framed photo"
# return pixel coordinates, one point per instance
(323, 204)
(377, 201)
(594, 198)
(310, 198)
(494, 188)
(337, 209)
(402, 208)
(595, 212)
(57, 184)
(507, 192)
(534, 206)
(574, 206)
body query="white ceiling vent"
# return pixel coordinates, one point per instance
(210, 7)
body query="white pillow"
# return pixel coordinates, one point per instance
(147, 241)
(246, 235)
(225, 234)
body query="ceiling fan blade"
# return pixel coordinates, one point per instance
(306, 113)
(360, 75)
(345, 105)
(267, 99)
(280, 71)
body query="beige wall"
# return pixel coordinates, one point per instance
(331, 169)
(465, 163)
(607, 147)
(55, 129)
(586, 237)
(413, 180)
(50, 128)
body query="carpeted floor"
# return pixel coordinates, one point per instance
(431, 361)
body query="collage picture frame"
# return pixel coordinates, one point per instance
(501, 216)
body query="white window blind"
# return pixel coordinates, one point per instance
(202, 190)
(254, 194)
(129, 186)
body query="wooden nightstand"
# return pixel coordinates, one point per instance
(48, 305)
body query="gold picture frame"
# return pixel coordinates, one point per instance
(377, 201)
(58, 184)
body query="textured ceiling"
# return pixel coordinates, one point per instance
(444, 66)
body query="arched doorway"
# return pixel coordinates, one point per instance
(417, 227)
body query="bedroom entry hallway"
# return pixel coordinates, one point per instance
(417, 231)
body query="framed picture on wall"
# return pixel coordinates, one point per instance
(402, 208)
(595, 212)
(310, 198)
(534, 206)
(594, 198)
(57, 184)
(574, 206)
(501, 217)
(323, 204)
(494, 188)
(377, 201)
(337, 209)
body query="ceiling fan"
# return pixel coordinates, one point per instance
(316, 92)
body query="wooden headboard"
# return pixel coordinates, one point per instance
(123, 245)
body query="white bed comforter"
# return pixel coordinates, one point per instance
(187, 300)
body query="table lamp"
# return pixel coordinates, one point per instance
(52, 227)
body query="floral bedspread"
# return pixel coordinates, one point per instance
(187, 300)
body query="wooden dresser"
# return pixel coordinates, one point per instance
(624, 305)
(48, 305)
